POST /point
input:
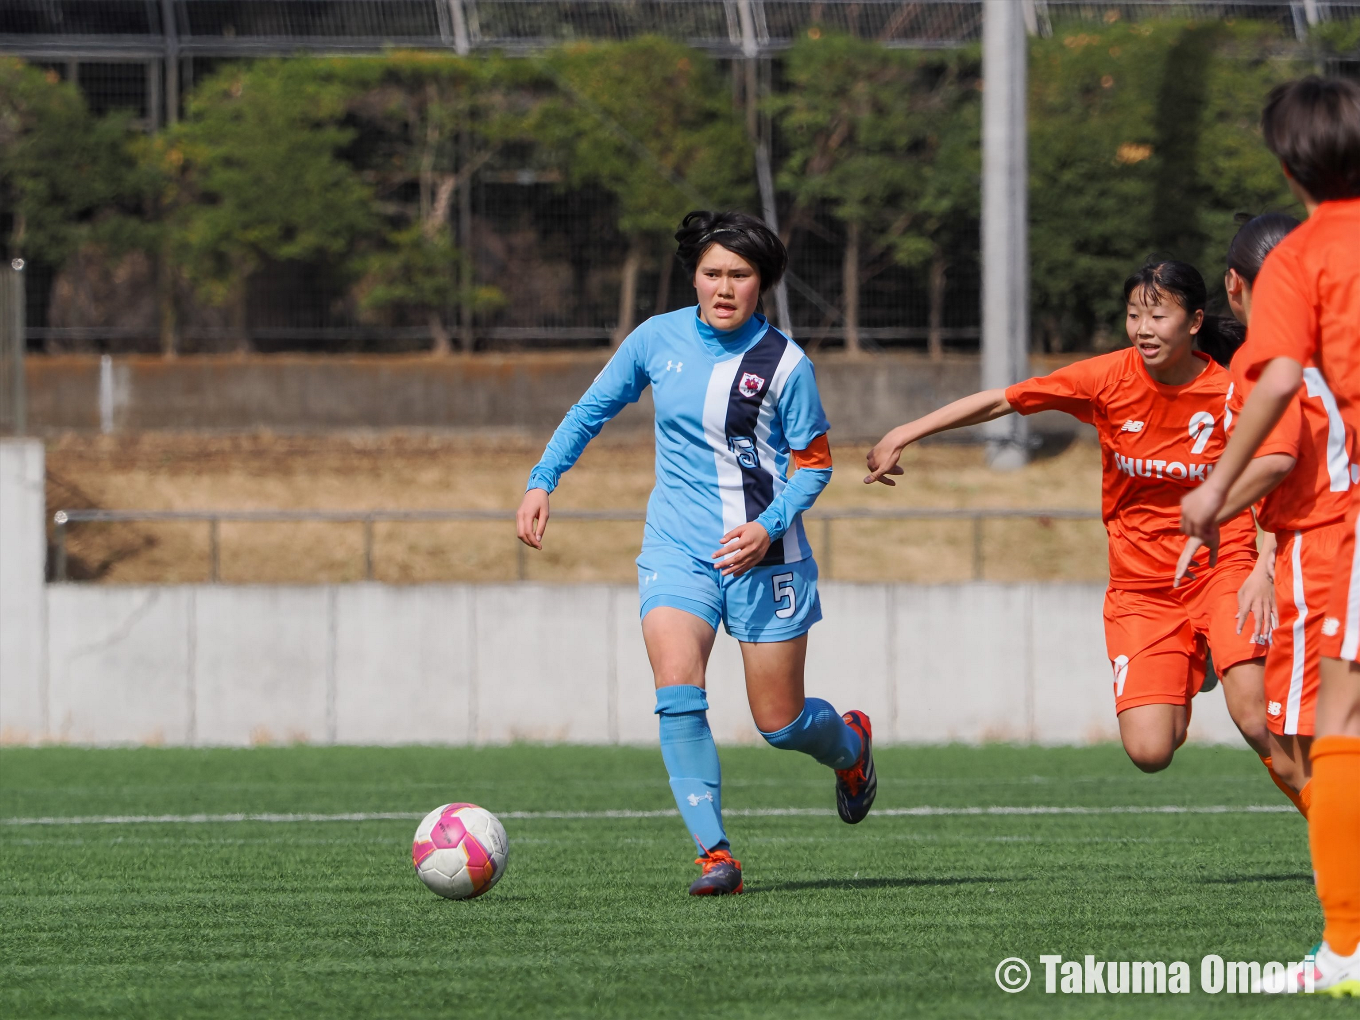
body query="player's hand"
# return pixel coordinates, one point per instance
(883, 458)
(531, 519)
(1183, 565)
(1199, 516)
(742, 549)
(1256, 598)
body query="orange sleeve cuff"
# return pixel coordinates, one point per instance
(817, 454)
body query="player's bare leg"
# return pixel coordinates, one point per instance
(1244, 689)
(791, 721)
(678, 645)
(774, 681)
(1289, 759)
(1151, 734)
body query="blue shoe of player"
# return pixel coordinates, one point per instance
(721, 877)
(857, 786)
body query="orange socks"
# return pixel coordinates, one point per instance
(1297, 798)
(1334, 836)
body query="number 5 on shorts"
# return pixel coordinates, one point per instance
(783, 590)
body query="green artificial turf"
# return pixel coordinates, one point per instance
(899, 916)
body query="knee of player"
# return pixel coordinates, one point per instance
(783, 735)
(1150, 759)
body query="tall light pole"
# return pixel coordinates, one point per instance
(1005, 221)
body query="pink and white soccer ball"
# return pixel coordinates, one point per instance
(460, 850)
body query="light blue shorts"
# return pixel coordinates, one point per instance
(771, 603)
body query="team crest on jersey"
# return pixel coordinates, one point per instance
(750, 385)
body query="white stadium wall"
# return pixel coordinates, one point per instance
(490, 664)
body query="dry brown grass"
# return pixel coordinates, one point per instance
(422, 471)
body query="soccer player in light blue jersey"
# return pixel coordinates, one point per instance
(736, 407)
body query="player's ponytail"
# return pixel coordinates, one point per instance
(1254, 241)
(1159, 279)
(740, 234)
(1220, 336)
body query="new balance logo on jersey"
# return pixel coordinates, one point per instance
(695, 800)
(1273, 708)
(1133, 426)
(750, 385)
(1139, 468)
(1330, 626)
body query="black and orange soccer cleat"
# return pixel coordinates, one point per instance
(857, 786)
(721, 877)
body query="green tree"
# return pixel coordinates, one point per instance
(651, 121)
(60, 167)
(430, 123)
(1143, 138)
(259, 177)
(888, 141)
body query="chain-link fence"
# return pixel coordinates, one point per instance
(548, 251)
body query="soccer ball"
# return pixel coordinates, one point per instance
(460, 850)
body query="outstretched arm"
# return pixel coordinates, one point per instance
(619, 384)
(971, 410)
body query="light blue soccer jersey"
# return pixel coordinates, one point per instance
(729, 409)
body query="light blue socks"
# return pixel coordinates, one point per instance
(691, 758)
(820, 732)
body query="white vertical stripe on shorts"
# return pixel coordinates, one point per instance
(1350, 639)
(1291, 711)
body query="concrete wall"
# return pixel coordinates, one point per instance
(530, 392)
(23, 604)
(374, 664)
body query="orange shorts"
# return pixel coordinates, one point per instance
(1304, 564)
(1156, 638)
(1341, 625)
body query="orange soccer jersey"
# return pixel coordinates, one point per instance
(1305, 512)
(1306, 307)
(1312, 431)
(1156, 442)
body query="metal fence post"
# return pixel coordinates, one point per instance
(826, 546)
(368, 548)
(13, 340)
(60, 567)
(214, 551)
(521, 563)
(977, 547)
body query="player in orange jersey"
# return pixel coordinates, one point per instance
(1159, 408)
(1306, 314)
(1304, 498)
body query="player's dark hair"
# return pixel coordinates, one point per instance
(1255, 239)
(740, 234)
(1313, 126)
(1159, 279)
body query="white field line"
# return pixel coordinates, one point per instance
(913, 812)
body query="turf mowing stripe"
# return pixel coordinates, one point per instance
(382, 816)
